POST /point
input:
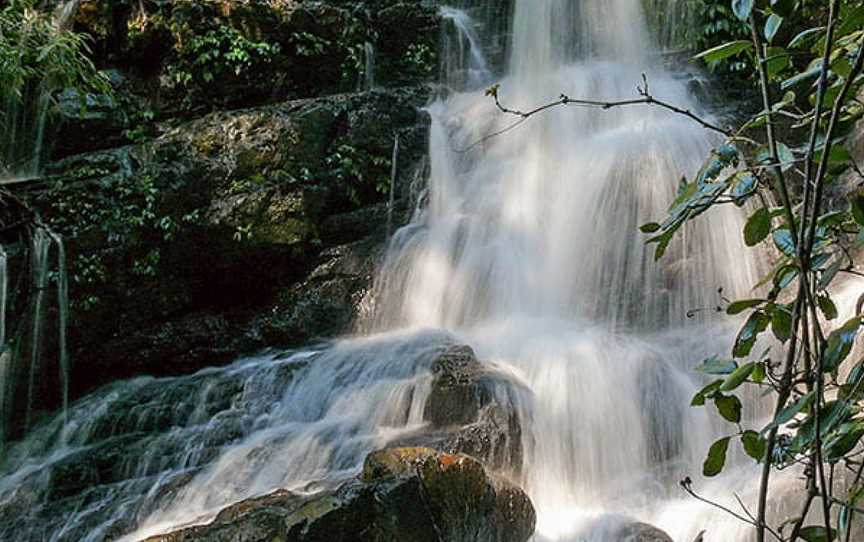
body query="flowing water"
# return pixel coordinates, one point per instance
(526, 247)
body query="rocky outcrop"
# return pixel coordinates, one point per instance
(472, 409)
(405, 494)
(184, 59)
(199, 244)
(640, 532)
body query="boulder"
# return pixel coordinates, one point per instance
(641, 532)
(472, 410)
(404, 494)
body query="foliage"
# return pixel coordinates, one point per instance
(36, 61)
(818, 413)
(352, 169)
(219, 54)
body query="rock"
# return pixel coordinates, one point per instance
(211, 231)
(292, 49)
(472, 410)
(641, 532)
(404, 494)
(326, 303)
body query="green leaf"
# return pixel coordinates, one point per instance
(738, 377)
(840, 344)
(754, 444)
(843, 440)
(790, 411)
(814, 533)
(716, 458)
(772, 25)
(717, 366)
(729, 407)
(786, 156)
(776, 61)
(742, 8)
(650, 227)
(756, 324)
(804, 36)
(781, 324)
(724, 51)
(827, 306)
(783, 241)
(758, 227)
(737, 307)
(708, 391)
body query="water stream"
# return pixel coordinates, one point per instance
(526, 248)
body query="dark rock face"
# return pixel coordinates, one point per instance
(199, 245)
(404, 494)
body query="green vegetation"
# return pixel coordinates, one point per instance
(810, 76)
(37, 60)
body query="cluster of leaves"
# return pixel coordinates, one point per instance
(810, 82)
(37, 60)
(222, 53)
(127, 213)
(419, 60)
(354, 169)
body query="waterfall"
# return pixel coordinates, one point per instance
(367, 82)
(24, 119)
(463, 64)
(24, 353)
(525, 247)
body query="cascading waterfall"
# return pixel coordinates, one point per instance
(526, 247)
(24, 385)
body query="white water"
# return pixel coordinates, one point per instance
(528, 250)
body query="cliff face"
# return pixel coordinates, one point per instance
(235, 191)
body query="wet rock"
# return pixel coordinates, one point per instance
(640, 532)
(472, 410)
(199, 245)
(405, 494)
(326, 303)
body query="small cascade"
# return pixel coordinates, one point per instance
(24, 119)
(394, 169)
(463, 63)
(367, 82)
(26, 389)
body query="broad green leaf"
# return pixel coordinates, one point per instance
(772, 25)
(738, 377)
(737, 307)
(756, 324)
(827, 306)
(776, 61)
(758, 375)
(742, 8)
(754, 444)
(805, 36)
(717, 366)
(729, 407)
(708, 391)
(785, 275)
(814, 533)
(790, 411)
(744, 184)
(781, 323)
(783, 241)
(724, 51)
(843, 440)
(650, 227)
(716, 458)
(806, 75)
(840, 344)
(758, 227)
